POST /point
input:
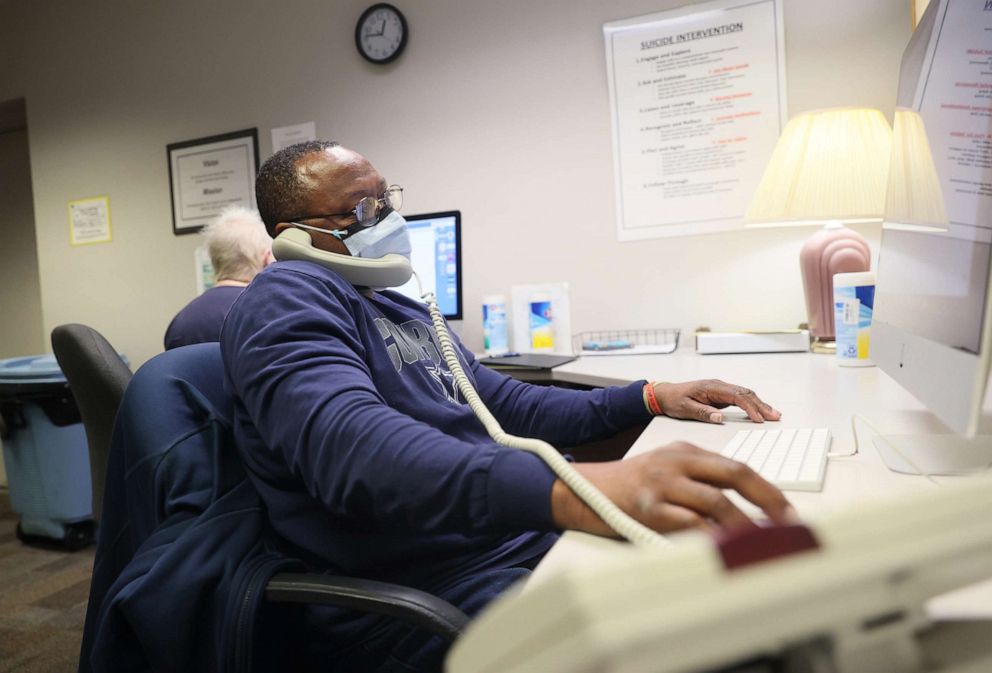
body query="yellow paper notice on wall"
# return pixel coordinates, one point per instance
(89, 221)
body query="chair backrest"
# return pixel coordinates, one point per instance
(179, 518)
(185, 551)
(97, 377)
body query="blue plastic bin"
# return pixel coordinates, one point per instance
(45, 453)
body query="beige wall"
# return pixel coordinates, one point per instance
(497, 108)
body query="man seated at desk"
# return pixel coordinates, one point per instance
(371, 463)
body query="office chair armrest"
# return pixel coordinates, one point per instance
(412, 605)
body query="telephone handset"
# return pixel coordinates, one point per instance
(388, 271)
(393, 270)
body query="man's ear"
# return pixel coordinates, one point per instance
(282, 226)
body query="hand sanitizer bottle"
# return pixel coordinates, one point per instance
(494, 328)
(854, 299)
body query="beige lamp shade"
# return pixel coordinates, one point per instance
(913, 199)
(828, 166)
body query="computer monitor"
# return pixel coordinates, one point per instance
(932, 323)
(437, 259)
(932, 333)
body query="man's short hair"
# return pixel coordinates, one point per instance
(278, 188)
(237, 242)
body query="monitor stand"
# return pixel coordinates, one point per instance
(935, 454)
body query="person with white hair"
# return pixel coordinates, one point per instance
(239, 247)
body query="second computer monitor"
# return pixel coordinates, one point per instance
(437, 258)
(930, 327)
(931, 333)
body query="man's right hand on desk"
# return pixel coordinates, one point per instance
(703, 400)
(674, 487)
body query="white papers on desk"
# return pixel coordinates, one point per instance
(785, 341)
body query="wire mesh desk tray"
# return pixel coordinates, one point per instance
(626, 342)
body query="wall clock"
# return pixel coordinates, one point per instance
(381, 33)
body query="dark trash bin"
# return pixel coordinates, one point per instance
(45, 453)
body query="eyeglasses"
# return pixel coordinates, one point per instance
(369, 212)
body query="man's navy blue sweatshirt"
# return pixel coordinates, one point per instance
(366, 455)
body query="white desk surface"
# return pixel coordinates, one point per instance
(810, 390)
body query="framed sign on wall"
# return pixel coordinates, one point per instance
(207, 175)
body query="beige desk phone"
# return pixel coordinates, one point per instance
(855, 602)
(387, 271)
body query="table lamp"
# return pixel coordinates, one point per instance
(913, 200)
(829, 167)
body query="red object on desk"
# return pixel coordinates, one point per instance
(746, 546)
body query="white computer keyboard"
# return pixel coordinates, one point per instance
(792, 459)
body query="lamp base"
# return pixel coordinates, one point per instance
(831, 250)
(824, 345)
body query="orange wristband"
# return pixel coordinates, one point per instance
(653, 405)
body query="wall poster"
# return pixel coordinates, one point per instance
(284, 136)
(89, 221)
(697, 99)
(207, 175)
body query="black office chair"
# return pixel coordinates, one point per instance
(97, 376)
(188, 573)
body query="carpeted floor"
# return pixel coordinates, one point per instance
(42, 601)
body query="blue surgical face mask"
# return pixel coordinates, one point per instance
(389, 236)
